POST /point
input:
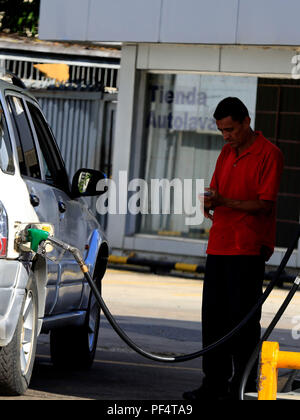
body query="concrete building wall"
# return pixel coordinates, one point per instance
(258, 22)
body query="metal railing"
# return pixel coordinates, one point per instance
(86, 73)
(273, 359)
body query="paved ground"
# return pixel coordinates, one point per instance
(162, 314)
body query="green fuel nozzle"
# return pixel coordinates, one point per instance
(35, 237)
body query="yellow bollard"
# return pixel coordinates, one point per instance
(268, 371)
(288, 360)
(271, 360)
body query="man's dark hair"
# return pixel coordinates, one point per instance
(231, 107)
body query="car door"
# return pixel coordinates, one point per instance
(72, 227)
(41, 193)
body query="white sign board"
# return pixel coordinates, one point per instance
(188, 104)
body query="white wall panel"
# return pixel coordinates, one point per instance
(199, 21)
(188, 57)
(64, 19)
(227, 59)
(269, 22)
(257, 60)
(129, 20)
(255, 22)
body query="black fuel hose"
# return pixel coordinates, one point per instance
(186, 357)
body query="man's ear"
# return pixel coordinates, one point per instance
(247, 121)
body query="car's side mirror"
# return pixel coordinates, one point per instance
(85, 183)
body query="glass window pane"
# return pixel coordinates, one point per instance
(53, 166)
(285, 231)
(267, 98)
(267, 124)
(282, 127)
(291, 151)
(28, 159)
(183, 144)
(288, 208)
(289, 127)
(43, 137)
(290, 99)
(6, 155)
(290, 181)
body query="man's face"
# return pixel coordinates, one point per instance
(234, 132)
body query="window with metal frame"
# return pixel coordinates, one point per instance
(278, 117)
(27, 154)
(6, 154)
(52, 164)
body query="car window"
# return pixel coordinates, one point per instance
(6, 154)
(27, 154)
(53, 166)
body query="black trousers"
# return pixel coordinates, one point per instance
(232, 286)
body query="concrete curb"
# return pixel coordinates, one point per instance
(182, 267)
(156, 264)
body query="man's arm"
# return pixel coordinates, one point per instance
(250, 206)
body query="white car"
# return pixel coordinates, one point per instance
(39, 294)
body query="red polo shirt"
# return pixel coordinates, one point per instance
(254, 175)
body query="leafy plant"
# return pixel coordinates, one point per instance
(20, 16)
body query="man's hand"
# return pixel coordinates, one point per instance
(214, 199)
(205, 203)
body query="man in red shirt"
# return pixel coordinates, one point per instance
(243, 194)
